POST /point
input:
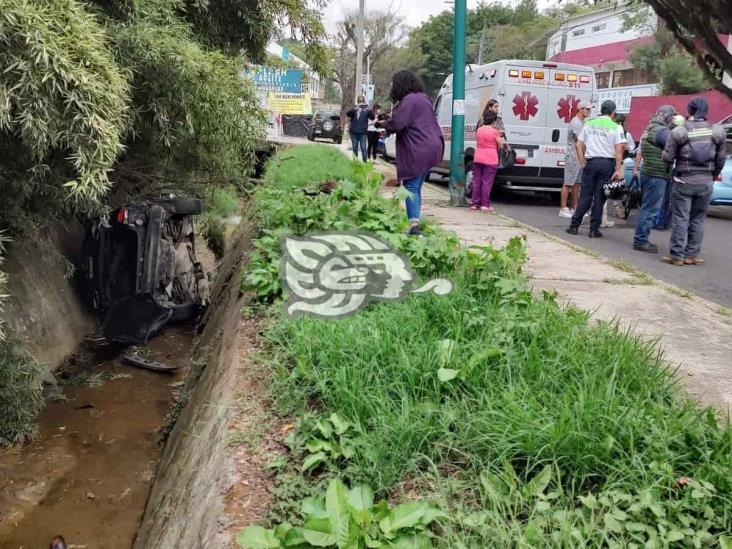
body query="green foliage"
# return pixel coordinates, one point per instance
(60, 89)
(219, 203)
(20, 384)
(349, 519)
(191, 108)
(307, 165)
(323, 441)
(665, 62)
(292, 202)
(221, 23)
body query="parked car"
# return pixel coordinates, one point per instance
(326, 125)
(140, 267)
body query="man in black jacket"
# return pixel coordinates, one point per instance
(699, 151)
(359, 117)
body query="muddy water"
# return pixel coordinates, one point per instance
(88, 473)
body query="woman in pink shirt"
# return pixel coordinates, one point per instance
(485, 163)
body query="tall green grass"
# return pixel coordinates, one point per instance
(594, 403)
(305, 165)
(532, 425)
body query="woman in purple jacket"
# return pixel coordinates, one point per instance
(419, 141)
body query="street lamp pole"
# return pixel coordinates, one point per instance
(359, 49)
(457, 160)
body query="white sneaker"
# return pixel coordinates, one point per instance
(565, 212)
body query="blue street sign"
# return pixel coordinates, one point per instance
(277, 80)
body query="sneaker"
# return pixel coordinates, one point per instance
(595, 234)
(647, 247)
(673, 260)
(486, 208)
(607, 224)
(565, 212)
(414, 230)
(693, 261)
(571, 230)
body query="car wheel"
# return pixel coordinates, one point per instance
(311, 137)
(469, 179)
(338, 140)
(183, 206)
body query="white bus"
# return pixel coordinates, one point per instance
(537, 99)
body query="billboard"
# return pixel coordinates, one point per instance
(276, 80)
(289, 103)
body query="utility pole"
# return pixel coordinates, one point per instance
(480, 48)
(359, 49)
(457, 160)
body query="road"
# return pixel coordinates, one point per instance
(712, 281)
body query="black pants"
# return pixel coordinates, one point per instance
(595, 173)
(373, 144)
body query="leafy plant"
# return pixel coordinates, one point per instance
(349, 519)
(326, 440)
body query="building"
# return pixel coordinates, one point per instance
(312, 83)
(597, 39)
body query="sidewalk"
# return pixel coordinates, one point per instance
(695, 334)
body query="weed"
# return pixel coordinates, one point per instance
(236, 438)
(349, 518)
(724, 311)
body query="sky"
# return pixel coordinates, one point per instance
(414, 11)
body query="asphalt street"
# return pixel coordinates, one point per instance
(712, 281)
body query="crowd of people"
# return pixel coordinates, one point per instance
(677, 162)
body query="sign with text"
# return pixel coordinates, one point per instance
(276, 80)
(289, 103)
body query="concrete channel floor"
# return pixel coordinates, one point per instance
(694, 334)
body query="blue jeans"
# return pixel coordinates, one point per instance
(689, 205)
(592, 195)
(360, 140)
(414, 200)
(663, 219)
(653, 189)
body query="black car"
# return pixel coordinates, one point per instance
(326, 125)
(140, 267)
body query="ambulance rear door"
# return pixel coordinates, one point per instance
(568, 85)
(524, 109)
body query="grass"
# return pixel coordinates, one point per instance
(530, 425)
(302, 166)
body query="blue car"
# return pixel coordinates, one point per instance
(722, 192)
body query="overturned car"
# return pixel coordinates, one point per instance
(140, 267)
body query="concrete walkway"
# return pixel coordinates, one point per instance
(695, 334)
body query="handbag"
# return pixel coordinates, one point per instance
(615, 190)
(506, 157)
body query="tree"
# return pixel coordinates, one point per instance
(696, 25)
(383, 31)
(665, 62)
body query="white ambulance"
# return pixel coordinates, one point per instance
(536, 100)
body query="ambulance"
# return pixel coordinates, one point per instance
(536, 100)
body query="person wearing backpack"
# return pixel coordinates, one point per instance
(699, 152)
(655, 175)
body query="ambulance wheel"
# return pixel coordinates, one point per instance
(469, 179)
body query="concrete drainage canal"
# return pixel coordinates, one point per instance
(129, 457)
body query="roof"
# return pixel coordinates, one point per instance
(605, 53)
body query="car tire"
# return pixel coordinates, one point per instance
(183, 206)
(338, 140)
(469, 179)
(311, 137)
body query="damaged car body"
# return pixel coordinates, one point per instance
(140, 268)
